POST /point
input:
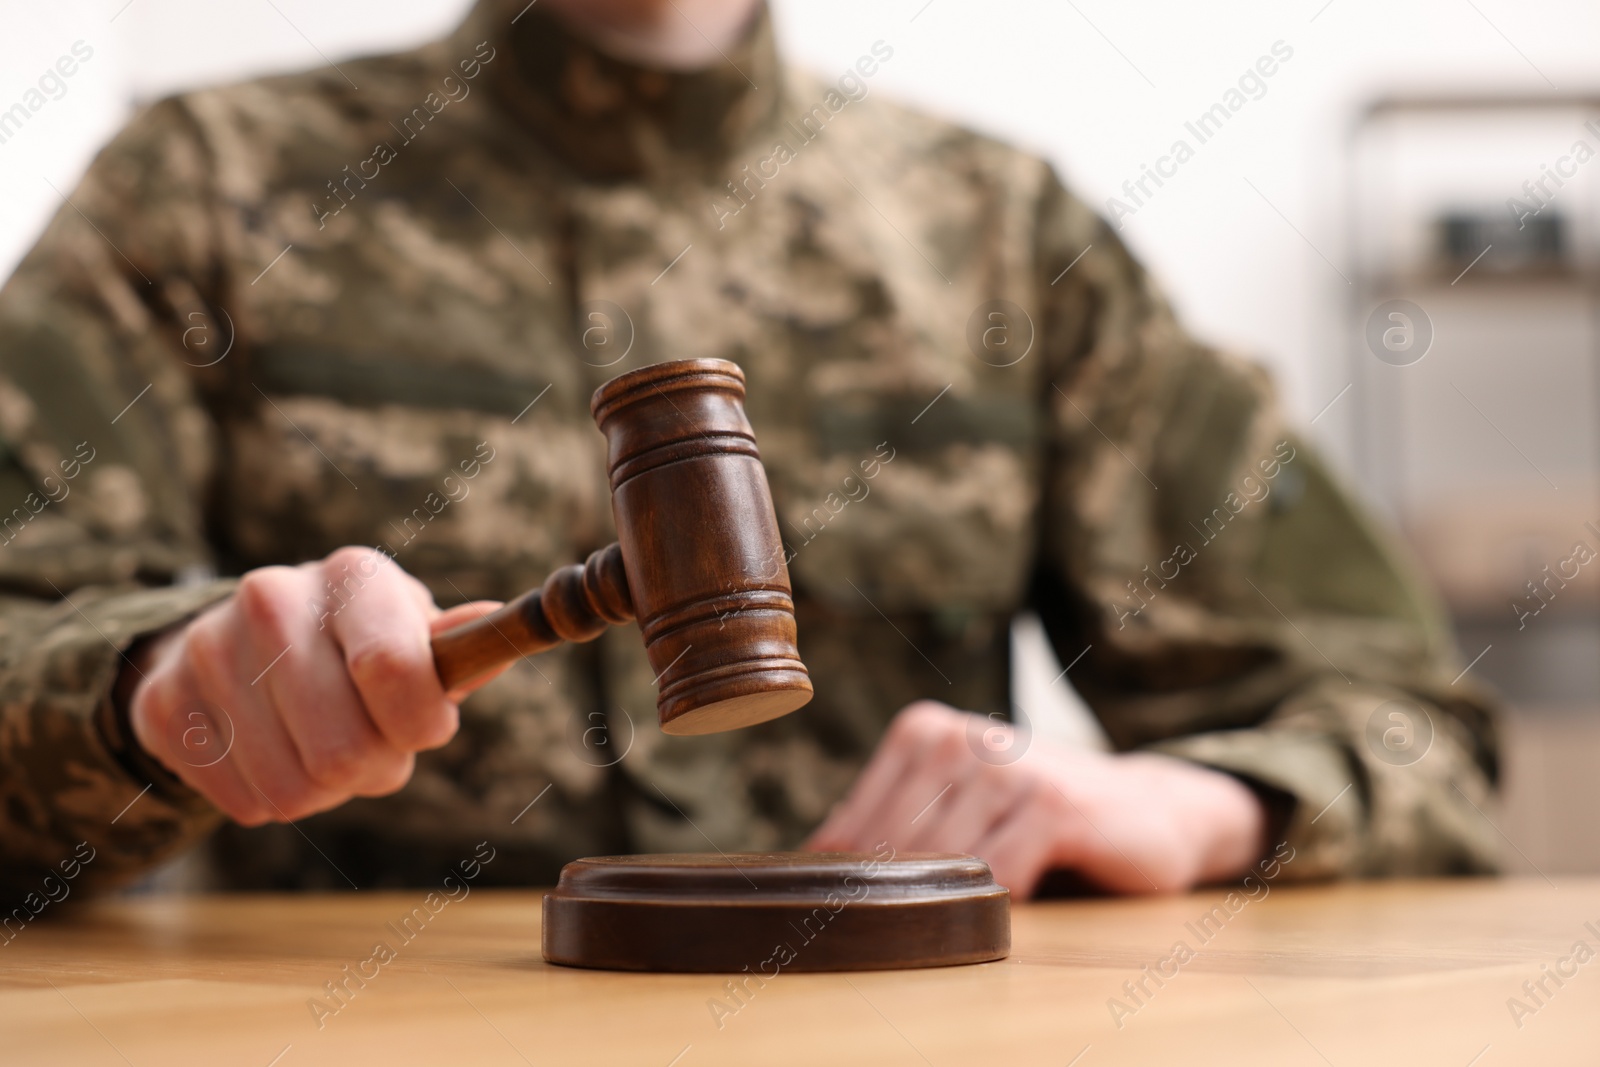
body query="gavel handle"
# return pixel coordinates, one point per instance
(575, 603)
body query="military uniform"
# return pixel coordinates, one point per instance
(284, 316)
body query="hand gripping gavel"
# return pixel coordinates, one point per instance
(698, 560)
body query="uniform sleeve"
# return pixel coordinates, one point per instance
(107, 335)
(1237, 606)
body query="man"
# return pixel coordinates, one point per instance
(366, 306)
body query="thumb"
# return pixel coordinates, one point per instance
(460, 615)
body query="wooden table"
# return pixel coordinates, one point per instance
(1401, 973)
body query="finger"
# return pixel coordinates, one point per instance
(191, 739)
(1023, 846)
(383, 631)
(303, 681)
(970, 811)
(261, 750)
(456, 616)
(941, 777)
(912, 730)
(850, 820)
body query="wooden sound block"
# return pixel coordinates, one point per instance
(768, 912)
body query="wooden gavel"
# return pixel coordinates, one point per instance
(698, 560)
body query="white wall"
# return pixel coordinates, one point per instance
(1100, 87)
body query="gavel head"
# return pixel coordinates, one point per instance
(700, 546)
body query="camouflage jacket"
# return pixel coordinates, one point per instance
(293, 314)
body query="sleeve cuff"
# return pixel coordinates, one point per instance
(152, 613)
(1314, 795)
(70, 774)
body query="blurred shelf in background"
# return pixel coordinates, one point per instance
(1474, 227)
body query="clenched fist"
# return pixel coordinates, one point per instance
(308, 686)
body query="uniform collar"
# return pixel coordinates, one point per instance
(612, 119)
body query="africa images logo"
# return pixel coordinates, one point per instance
(1000, 333)
(1399, 333)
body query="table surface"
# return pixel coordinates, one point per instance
(1401, 972)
